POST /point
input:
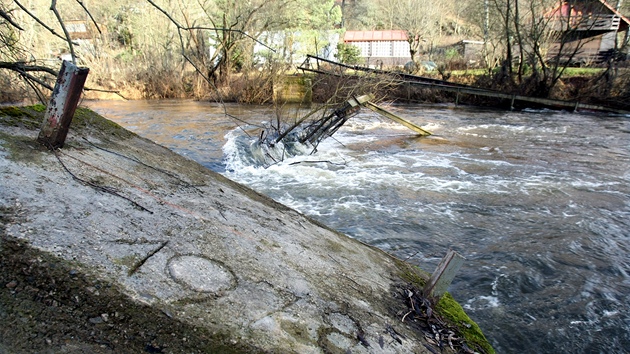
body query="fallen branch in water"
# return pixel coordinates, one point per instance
(106, 91)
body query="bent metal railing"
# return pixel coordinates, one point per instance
(327, 67)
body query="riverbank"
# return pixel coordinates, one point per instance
(578, 86)
(116, 244)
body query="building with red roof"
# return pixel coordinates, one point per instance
(380, 48)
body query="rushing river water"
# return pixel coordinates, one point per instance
(538, 202)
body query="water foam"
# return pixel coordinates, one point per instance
(482, 130)
(336, 167)
(482, 302)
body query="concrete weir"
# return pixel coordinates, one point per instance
(115, 244)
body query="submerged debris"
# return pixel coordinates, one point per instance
(276, 142)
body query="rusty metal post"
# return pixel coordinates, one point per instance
(443, 275)
(63, 103)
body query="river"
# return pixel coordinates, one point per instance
(538, 202)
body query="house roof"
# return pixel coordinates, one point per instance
(371, 36)
(623, 18)
(560, 8)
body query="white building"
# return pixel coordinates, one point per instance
(387, 48)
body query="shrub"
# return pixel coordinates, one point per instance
(348, 54)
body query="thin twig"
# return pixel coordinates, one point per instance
(136, 160)
(336, 261)
(91, 17)
(107, 91)
(33, 78)
(38, 92)
(403, 318)
(7, 17)
(413, 255)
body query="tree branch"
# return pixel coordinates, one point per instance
(22, 67)
(207, 28)
(33, 78)
(106, 91)
(38, 92)
(91, 17)
(6, 16)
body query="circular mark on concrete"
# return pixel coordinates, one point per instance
(201, 274)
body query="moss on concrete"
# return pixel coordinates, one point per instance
(38, 107)
(31, 117)
(411, 274)
(21, 117)
(450, 310)
(11, 111)
(85, 118)
(19, 148)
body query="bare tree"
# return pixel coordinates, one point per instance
(19, 45)
(226, 31)
(421, 19)
(539, 39)
(552, 37)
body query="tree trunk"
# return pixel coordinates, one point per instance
(486, 31)
(519, 39)
(223, 67)
(414, 47)
(508, 41)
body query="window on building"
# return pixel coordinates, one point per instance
(365, 48)
(400, 49)
(382, 49)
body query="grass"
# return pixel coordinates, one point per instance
(568, 72)
(474, 72)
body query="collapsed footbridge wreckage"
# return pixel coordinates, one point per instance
(310, 132)
(322, 66)
(329, 124)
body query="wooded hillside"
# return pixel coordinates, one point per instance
(197, 48)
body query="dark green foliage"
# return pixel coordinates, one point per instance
(348, 54)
